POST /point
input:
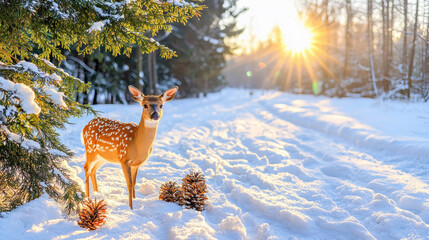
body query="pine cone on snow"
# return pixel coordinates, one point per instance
(171, 192)
(194, 189)
(93, 214)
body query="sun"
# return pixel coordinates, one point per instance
(297, 38)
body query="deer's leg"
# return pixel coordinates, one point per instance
(97, 164)
(134, 171)
(85, 167)
(127, 172)
(90, 158)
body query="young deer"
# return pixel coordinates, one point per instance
(126, 143)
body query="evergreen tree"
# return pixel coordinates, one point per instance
(37, 97)
(202, 48)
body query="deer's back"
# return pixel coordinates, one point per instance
(107, 135)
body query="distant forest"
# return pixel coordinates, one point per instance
(373, 48)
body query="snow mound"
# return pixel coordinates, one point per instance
(233, 224)
(148, 188)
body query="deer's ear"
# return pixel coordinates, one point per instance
(169, 94)
(135, 93)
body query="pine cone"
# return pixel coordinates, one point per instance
(171, 192)
(93, 214)
(194, 189)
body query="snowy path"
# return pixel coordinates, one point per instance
(277, 166)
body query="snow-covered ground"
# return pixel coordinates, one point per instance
(277, 166)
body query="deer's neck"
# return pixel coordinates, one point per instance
(145, 135)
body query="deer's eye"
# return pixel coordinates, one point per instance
(160, 106)
(145, 106)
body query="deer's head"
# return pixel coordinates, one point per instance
(152, 104)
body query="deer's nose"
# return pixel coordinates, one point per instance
(154, 116)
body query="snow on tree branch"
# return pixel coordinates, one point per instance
(97, 26)
(178, 3)
(25, 143)
(56, 97)
(24, 93)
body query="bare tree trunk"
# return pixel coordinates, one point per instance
(79, 74)
(348, 37)
(426, 66)
(405, 35)
(384, 12)
(86, 80)
(391, 22)
(150, 73)
(371, 45)
(413, 50)
(94, 77)
(387, 33)
(154, 73)
(206, 85)
(94, 100)
(325, 45)
(139, 83)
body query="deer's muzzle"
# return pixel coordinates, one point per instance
(154, 116)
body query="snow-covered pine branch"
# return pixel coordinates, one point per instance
(36, 98)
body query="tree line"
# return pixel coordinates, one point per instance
(372, 48)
